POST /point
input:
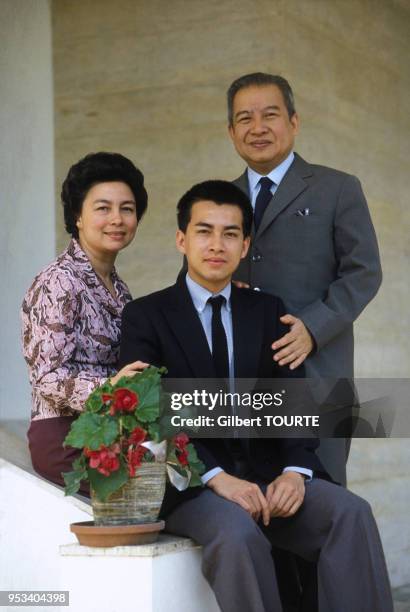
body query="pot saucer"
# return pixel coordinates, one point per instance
(104, 536)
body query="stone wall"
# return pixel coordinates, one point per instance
(27, 234)
(148, 79)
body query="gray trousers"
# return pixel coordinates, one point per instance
(334, 527)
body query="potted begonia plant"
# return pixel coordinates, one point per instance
(126, 457)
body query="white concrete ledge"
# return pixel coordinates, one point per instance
(165, 545)
(165, 579)
(38, 552)
(49, 488)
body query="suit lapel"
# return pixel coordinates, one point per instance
(187, 328)
(291, 186)
(243, 184)
(247, 323)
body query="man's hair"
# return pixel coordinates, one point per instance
(259, 79)
(219, 192)
(97, 168)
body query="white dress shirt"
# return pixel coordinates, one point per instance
(275, 175)
(200, 297)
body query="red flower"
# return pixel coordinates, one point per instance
(134, 458)
(182, 457)
(105, 459)
(91, 454)
(181, 440)
(124, 401)
(137, 436)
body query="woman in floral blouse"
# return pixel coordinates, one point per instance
(71, 314)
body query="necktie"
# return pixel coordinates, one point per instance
(221, 365)
(263, 199)
(219, 343)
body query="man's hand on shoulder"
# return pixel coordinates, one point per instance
(295, 345)
(247, 494)
(285, 494)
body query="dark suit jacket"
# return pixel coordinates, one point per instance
(325, 265)
(164, 329)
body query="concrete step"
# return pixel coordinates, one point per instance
(38, 551)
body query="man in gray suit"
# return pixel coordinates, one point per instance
(313, 242)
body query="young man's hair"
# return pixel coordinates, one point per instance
(259, 79)
(219, 192)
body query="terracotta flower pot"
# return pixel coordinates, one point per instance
(106, 536)
(137, 502)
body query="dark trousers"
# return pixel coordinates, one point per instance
(333, 527)
(48, 456)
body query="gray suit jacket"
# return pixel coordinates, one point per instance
(324, 265)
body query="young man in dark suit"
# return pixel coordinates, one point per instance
(262, 492)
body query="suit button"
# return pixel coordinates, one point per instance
(256, 288)
(256, 257)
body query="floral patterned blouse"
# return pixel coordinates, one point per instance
(71, 333)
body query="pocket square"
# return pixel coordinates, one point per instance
(303, 212)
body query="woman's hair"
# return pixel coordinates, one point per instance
(97, 168)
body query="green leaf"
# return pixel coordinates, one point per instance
(80, 463)
(195, 480)
(154, 432)
(149, 405)
(129, 422)
(166, 429)
(107, 387)
(104, 486)
(195, 466)
(73, 479)
(192, 454)
(94, 402)
(92, 431)
(172, 455)
(198, 467)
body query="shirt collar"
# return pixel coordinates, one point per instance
(200, 295)
(275, 175)
(82, 263)
(75, 251)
